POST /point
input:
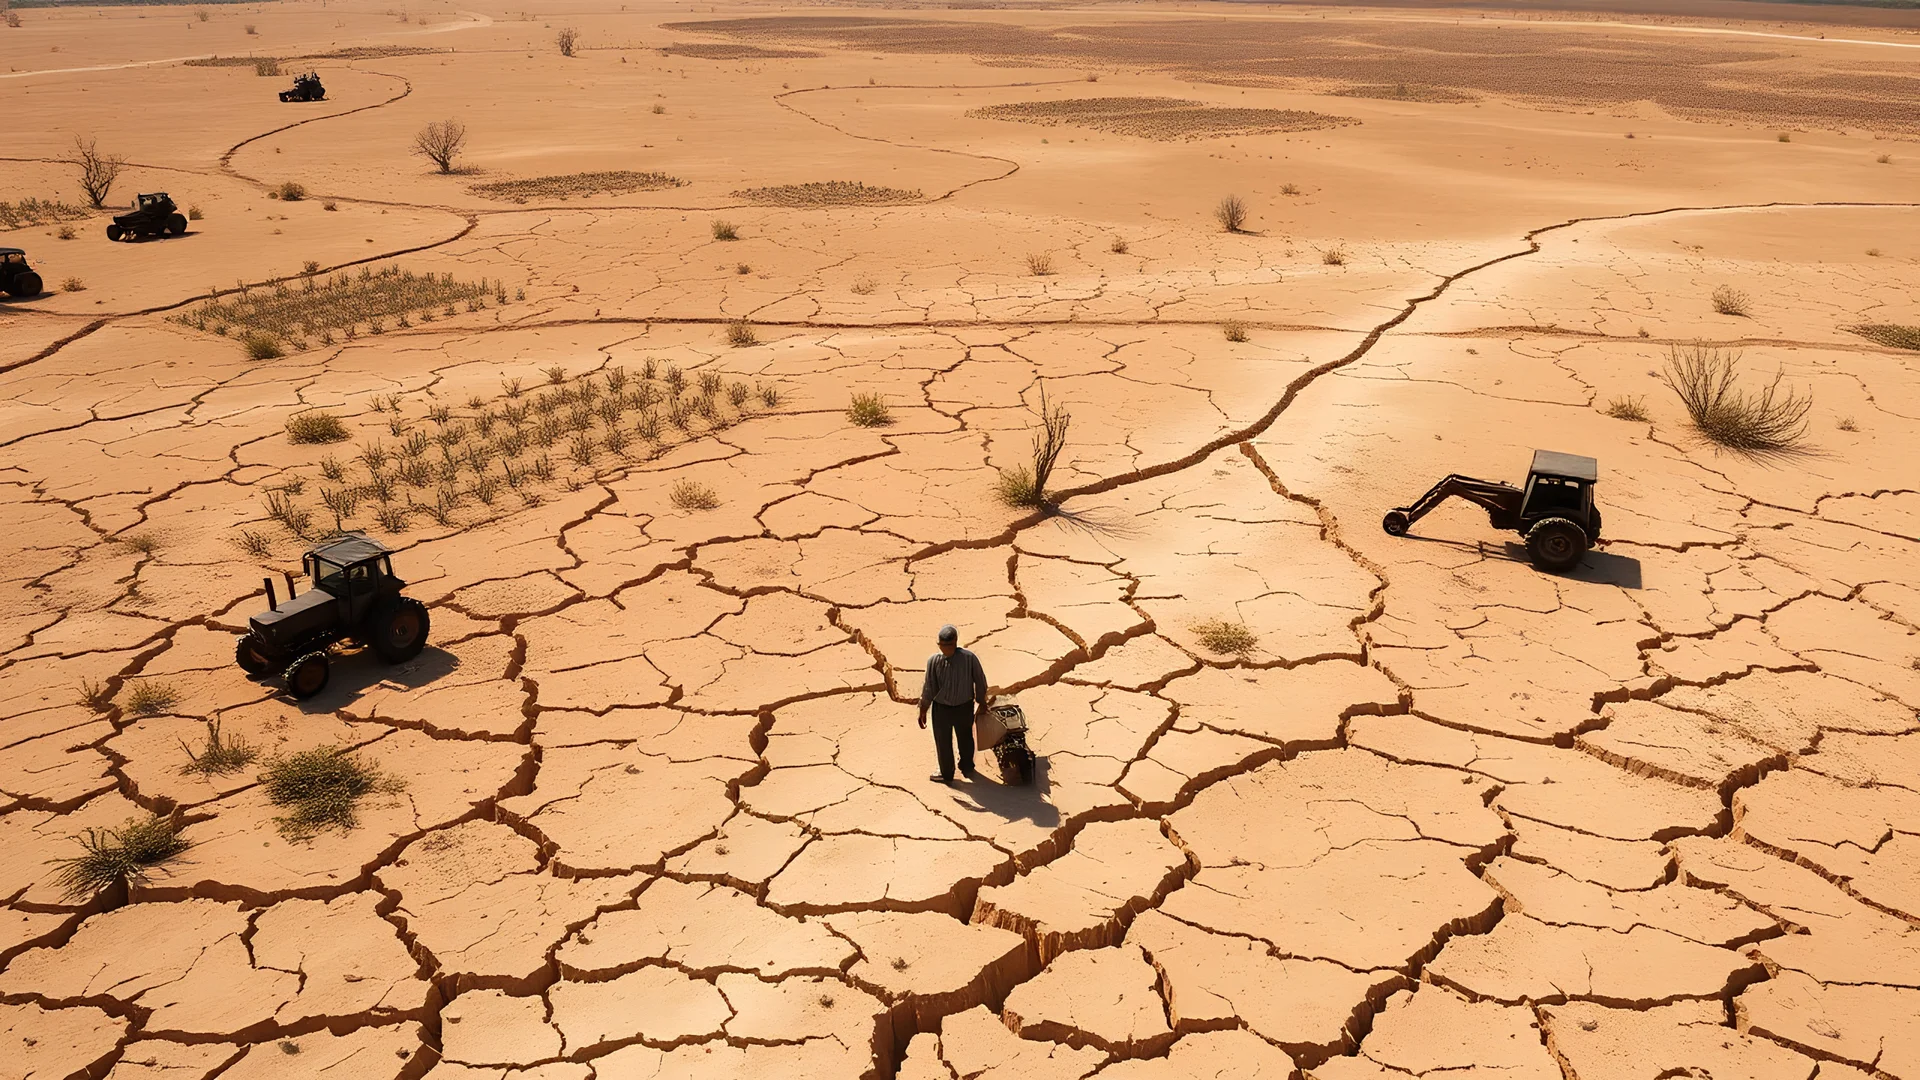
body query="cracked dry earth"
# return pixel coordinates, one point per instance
(661, 807)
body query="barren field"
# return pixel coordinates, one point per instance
(695, 365)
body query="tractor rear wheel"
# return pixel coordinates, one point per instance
(250, 656)
(115, 232)
(1395, 523)
(1556, 545)
(398, 630)
(176, 224)
(308, 675)
(27, 284)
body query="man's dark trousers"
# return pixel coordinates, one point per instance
(950, 721)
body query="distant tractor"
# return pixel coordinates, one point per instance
(354, 597)
(16, 277)
(152, 215)
(305, 88)
(1554, 512)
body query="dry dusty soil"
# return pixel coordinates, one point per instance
(1311, 800)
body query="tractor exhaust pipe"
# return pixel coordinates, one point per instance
(289, 578)
(273, 602)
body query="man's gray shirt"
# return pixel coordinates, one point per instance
(954, 680)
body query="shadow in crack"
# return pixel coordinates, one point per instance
(1010, 800)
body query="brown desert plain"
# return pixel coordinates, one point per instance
(702, 386)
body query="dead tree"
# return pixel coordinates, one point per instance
(440, 142)
(98, 171)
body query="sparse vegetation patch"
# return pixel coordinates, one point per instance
(869, 410)
(32, 211)
(1892, 335)
(830, 193)
(580, 184)
(149, 697)
(1165, 119)
(1629, 408)
(706, 51)
(321, 789)
(1026, 485)
(345, 303)
(1431, 95)
(219, 755)
(118, 856)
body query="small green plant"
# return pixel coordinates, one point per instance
(219, 755)
(111, 858)
(869, 410)
(1024, 485)
(1728, 300)
(1225, 638)
(315, 426)
(1231, 213)
(692, 495)
(1040, 264)
(150, 698)
(321, 789)
(292, 191)
(1629, 408)
(722, 230)
(1234, 329)
(1015, 487)
(1770, 421)
(740, 334)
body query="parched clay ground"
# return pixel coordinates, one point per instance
(663, 811)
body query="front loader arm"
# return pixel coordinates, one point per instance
(1500, 500)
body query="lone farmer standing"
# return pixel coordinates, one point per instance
(955, 680)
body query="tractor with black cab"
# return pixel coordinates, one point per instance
(305, 88)
(353, 597)
(152, 215)
(1554, 512)
(16, 277)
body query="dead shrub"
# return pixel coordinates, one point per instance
(1040, 264)
(150, 697)
(1234, 329)
(1629, 408)
(441, 142)
(1773, 420)
(118, 857)
(724, 230)
(219, 754)
(291, 191)
(1026, 485)
(98, 171)
(1231, 214)
(1728, 300)
(740, 333)
(567, 40)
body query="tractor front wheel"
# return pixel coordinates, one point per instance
(1395, 523)
(398, 631)
(308, 675)
(176, 224)
(1556, 545)
(115, 232)
(250, 656)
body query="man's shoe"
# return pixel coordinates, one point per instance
(938, 779)
(972, 774)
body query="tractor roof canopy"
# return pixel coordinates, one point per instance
(12, 251)
(1566, 466)
(158, 196)
(349, 549)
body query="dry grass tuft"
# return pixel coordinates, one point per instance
(1334, 256)
(1629, 408)
(1728, 300)
(1040, 264)
(567, 41)
(315, 426)
(1225, 638)
(321, 789)
(1231, 214)
(73, 284)
(692, 495)
(262, 347)
(1846, 423)
(291, 191)
(117, 857)
(724, 230)
(582, 184)
(1119, 246)
(740, 334)
(1770, 421)
(1892, 335)
(1234, 329)
(830, 193)
(869, 410)
(150, 698)
(94, 696)
(219, 755)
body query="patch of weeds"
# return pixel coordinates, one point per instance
(316, 426)
(73, 284)
(118, 856)
(1334, 256)
(1846, 423)
(66, 232)
(219, 755)
(255, 543)
(770, 396)
(321, 789)
(294, 518)
(1629, 408)
(262, 347)
(724, 230)
(869, 410)
(740, 333)
(194, 214)
(743, 269)
(1892, 335)
(146, 543)
(693, 495)
(1225, 638)
(291, 191)
(1770, 421)
(1290, 189)
(1040, 264)
(1234, 329)
(1728, 300)
(150, 698)
(1015, 487)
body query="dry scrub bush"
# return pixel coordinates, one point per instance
(194, 214)
(321, 789)
(1234, 329)
(291, 191)
(1231, 214)
(692, 495)
(1225, 638)
(251, 29)
(441, 142)
(1119, 246)
(740, 333)
(32, 211)
(1884, 159)
(262, 347)
(567, 40)
(869, 410)
(257, 544)
(1892, 335)
(1040, 264)
(1629, 408)
(1728, 300)
(98, 171)
(724, 230)
(73, 284)
(1770, 421)
(219, 755)
(267, 66)
(66, 233)
(1025, 485)
(1846, 423)
(117, 857)
(1334, 256)
(150, 698)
